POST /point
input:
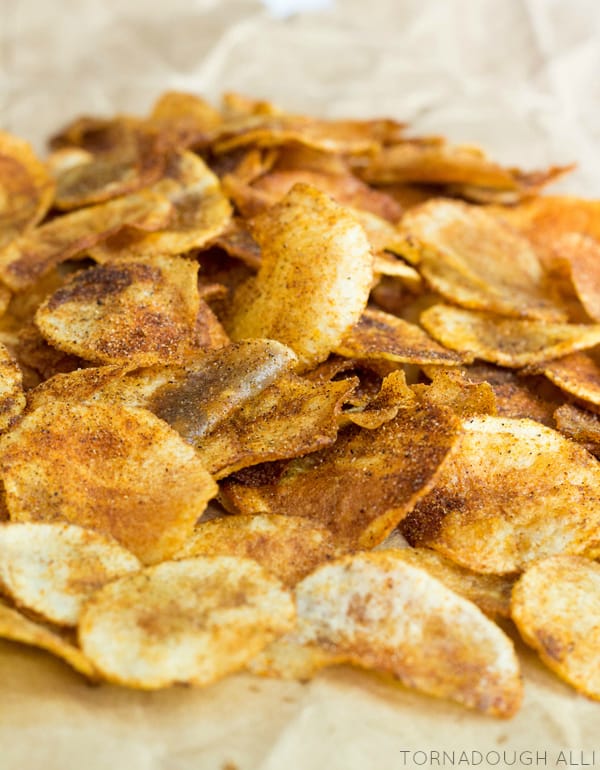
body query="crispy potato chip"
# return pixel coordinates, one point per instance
(382, 336)
(184, 119)
(26, 188)
(387, 264)
(391, 616)
(96, 135)
(580, 425)
(288, 547)
(12, 397)
(509, 342)
(451, 388)
(314, 279)
(34, 254)
(286, 658)
(18, 628)
(556, 607)
(190, 621)
(237, 241)
(200, 213)
(394, 393)
(577, 374)
(118, 470)
(138, 313)
(508, 493)
(475, 261)
(581, 253)
(362, 486)
(52, 569)
(33, 352)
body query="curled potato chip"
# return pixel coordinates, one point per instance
(35, 253)
(509, 342)
(184, 119)
(128, 312)
(191, 621)
(314, 279)
(509, 492)
(52, 569)
(18, 628)
(114, 469)
(393, 394)
(12, 397)
(580, 425)
(391, 616)
(556, 607)
(581, 253)
(577, 374)
(288, 547)
(452, 389)
(475, 261)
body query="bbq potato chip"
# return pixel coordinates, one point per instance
(452, 389)
(314, 279)
(184, 119)
(127, 312)
(556, 607)
(53, 568)
(509, 492)
(577, 374)
(191, 621)
(580, 425)
(12, 397)
(114, 469)
(393, 394)
(509, 342)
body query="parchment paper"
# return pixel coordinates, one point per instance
(519, 77)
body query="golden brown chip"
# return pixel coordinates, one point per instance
(288, 547)
(581, 254)
(118, 470)
(314, 279)
(362, 486)
(184, 119)
(577, 374)
(475, 261)
(138, 313)
(451, 388)
(556, 607)
(191, 621)
(382, 336)
(509, 342)
(26, 188)
(391, 616)
(12, 397)
(35, 253)
(508, 493)
(52, 569)
(393, 394)
(580, 425)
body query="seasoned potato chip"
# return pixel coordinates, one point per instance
(184, 119)
(391, 616)
(475, 261)
(286, 658)
(18, 628)
(508, 493)
(314, 279)
(52, 569)
(577, 374)
(35, 253)
(580, 425)
(394, 394)
(581, 254)
(506, 341)
(287, 546)
(451, 388)
(556, 607)
(191, 621)
(125, 312)
(118, 470)
(12, 397)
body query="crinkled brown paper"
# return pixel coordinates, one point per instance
(520, 77)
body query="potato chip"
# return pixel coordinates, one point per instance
(18, 628)
(577, 374)
(508, 493)
(12, 397)
(184, 119)
(191, 621)
(580, 425)
(452, 389)
(33, 352)
(556, 607)
(237, 241)
(394, 394)
(52, 569)
(288, 547)
(125, 312)
(362, 486)
(509, 342)
(314, 279)
(286, 658)
(118, 470)
(35, 253)
(391, 616)
(477, 262)
(581, 253)
(96, 135)
(26, 188)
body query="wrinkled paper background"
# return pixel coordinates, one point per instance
(520, 77)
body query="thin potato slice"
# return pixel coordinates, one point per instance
(362, 486)
(475, 261)
(577, 374)
(12, 397)
(288, 547)
(581, 253)
(314, 280)
(393, 394)
(139, 313)
(18, 628)
(382, 336)
(556, 607)
(452, 389)
(580, 425)
(118, 470)
(24, 261)
(184, 119)
(509, 492)
(509, 342)
(388, 615)
(191, 621)
(286, 658)
(52, 569)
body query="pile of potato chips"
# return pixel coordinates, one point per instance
(279, 393)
